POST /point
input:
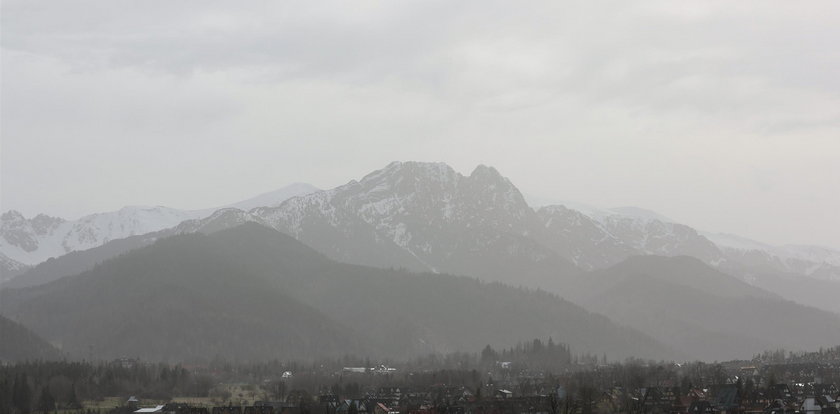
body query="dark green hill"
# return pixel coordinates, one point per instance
(252, 292)
(185, 297)
(19, 344)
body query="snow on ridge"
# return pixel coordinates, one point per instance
(289, 215)
(805, 253)
(32, 241)
(87, 232)
(813, 253)
(394, 200)
(10, 264)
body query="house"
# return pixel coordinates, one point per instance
(132, 403)
(351, 406)
(380, 408)
(750, 371)
(392, 394)
(780, 391)
(779, 406)
(158, 409)
(659, 399)
(811, 405)
(726, 398)
(697, 394)
(819, 404)
(827, 390)
(503, 394)
(127, 363)
(700, 407)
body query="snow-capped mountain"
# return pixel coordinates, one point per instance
(421, 216)
(428, 217)
(603, 238)
(599, 237)
(30, 241)
(814, 261)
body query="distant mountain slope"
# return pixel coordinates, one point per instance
(679, 270)
(274, 198)
(600, 239)
(749, 257)
(251, 292)
(596, 238)
(32, 241)
(10, 268)
(707, 314)
(819, 293)
(19, 344)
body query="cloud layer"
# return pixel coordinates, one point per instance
(724, 116)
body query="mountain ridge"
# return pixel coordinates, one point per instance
(33, 241)
(385, 312)
(428, 217)
(691, 306)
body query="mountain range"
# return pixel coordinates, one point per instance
(590, 238)
(427, 218)
(254, 293)
(699, 310)
(26, 242)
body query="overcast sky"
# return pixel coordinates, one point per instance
(722, 115)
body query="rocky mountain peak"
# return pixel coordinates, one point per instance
(22, 233)
(482, 171)
(12, 215)
(437, 189)
(405, 177)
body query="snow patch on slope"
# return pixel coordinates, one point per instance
(32, 241)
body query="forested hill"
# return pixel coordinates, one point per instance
(252, 293)
(19, 344)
